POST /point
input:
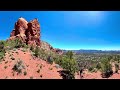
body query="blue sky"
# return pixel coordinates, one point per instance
(70, 29)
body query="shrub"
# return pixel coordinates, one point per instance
(18, 66)
(14, 49)
(2, 54)
(12, 58)
(91, 69)
(6, 62)
(68, 63)
(25, 73)
(24, 50)
(116, 67)
(40, 66)
(98, 66)
(12, 44)
(50, 59)
(5, 67)
(36, 52)
(2, 50)
(69, 54)
(32, 48)
(41, 75)
(106, 68)
(31, 77)
(38, 71)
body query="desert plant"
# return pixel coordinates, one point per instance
(2, 50)
(116, 67)
(32, 48)
(14, 49)
(41, 75)
(38, 71)
(91, 69)
(2, 54)
(106, 68)
(12, 58)
(68, 63)
(24, 50)
(5, 67)
(69, 54)
(25, 73)
(6, 62)
(40, 66)
(37, 51)
(98, 66)
(31, 77)
(50, 59)
(18, 66)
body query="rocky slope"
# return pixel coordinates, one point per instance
(32, 67)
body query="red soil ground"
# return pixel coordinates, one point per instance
(47, 71)
(97, 75)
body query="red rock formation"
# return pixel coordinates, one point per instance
(27, 32)
(33, 33)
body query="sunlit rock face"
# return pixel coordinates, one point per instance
(28, 32)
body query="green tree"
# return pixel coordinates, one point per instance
(37, 51)
(69, 54)
(106, 68)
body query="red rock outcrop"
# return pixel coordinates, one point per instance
(29, 33)
(33, 33)
(48, 47)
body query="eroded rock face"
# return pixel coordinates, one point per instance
(33, 32)
(29, 33)
(48, 47)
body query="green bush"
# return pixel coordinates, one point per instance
(68, 63)
(37, 51)
(32, 48)
(50, 59)
(2, 54)
(2, 50)
(17, 43)
(5, 67)
(91, 69)
(38, 71)
(69, 54)
(31, 77)
(116, 67)
(25, 73)
(98, 66)
(12, 58)
(18, 66)
(106, 68)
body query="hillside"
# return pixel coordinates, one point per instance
(32, 67)
(25, 56)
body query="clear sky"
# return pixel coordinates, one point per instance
(70, 29)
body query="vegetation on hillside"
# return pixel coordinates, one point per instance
(10, 45)
(69, 61)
